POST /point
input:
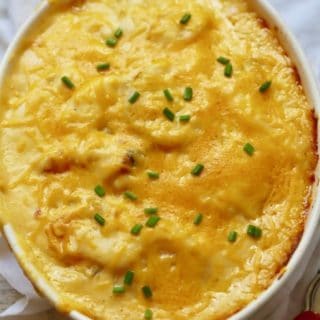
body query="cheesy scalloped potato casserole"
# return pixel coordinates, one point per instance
(157, 157)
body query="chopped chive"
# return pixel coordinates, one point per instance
(118, 289)
(136, 229)
(99, 219)
(103, 66)
(153, 175)
(249, 149)
(152, 221)
(128, 278)
(197, 170)
(254, 232)
(168, 114)
(232, 237)
(148, 314)
(188, 94)
(228, 70)
(118, 33)
(185, 18)
(185, 118)
(67, 82)
(265, 86)
(168, 95)
(99, 190)
(151, 210)
(111, 42)
(134, 98)
(223, 60)
(130, 195)
(147, 292)
(198, 219)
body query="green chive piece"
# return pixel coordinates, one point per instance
(118, 289)
(153, 175)
(151, 210)
(128, 278)
(99, 190)
(103, 66)
(168, 95)
(130, 195)
(185, 18)
(188, 94)
(67, 82)
(254, 231)
(198, 219)
(148, 314)
(232, 237)
(228, 70)
(197, 170)
(185, 118)
(152, 221)
(249, 149)
(136, 229)
(168, 114)
(134, 98)
(100, 219)
(147, 292)
(223, 60)
(111, 42)
(265, 86)
(118, 33)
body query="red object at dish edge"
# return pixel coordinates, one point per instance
(308, 315)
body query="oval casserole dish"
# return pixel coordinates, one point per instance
(268, 300)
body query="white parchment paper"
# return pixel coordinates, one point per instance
(30, 303)
(303, 18)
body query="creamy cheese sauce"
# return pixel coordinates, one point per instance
(58, 143)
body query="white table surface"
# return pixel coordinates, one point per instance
(295, 13)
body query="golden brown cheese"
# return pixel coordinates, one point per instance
(57, 144)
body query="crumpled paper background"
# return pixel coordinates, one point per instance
(30, 303)
(301, 16)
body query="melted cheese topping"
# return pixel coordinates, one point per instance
(57, 144)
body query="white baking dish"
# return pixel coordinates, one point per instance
(266, 302)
